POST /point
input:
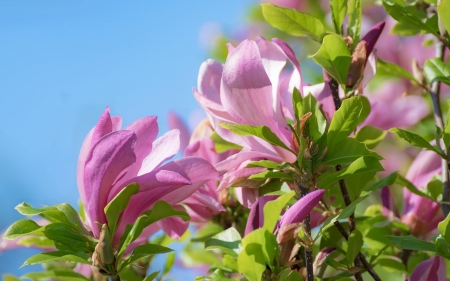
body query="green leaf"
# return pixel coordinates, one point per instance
(406, 183)
(355, 242)
(271, 175)
(272, 210)
(360, 165)
(72, 216)
(348, 150)
(365, 111)
(334, 56)
(417, 140)
(370, 136)
(293, 21)
(444, 229)
(65, 238)
(36, 241)
(391, 264)
(436, 70)
(264, 164)
(145, 250)
(446, 136)
(357, 183)
(55, 275)
(118, 204)
(152, 276)
(434, 189)
(344, 121)
(334, 264)
(169, 263)
(10, 277)
(226, 241)
(262, 132)
(443, 11)
(317, 123)
(389, 180)
(230, 262)
(442, 248)
(392, 69)
(259, 248)
(354, 20)
(217, 275)
(160, 210)
(406, 16)
(20, 228)
(58, 256)
(404, 29)
(411, 243)
(50, 213)
(208, 230)
(338, 12)
(222, 145)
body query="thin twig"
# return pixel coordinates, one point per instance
(439, 119)
(366, 264)
(334, 86)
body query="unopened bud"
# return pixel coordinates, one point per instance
(288, 232)
(417, 72)
(103, 255)
(356, 70)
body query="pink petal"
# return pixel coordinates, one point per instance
(372, 36)
(108, 158)
(256, 216)
(175, 122)
(246, 196)
(83, 269)
(209, 78)
(175, 227)
(298, 212)
(433, 269)
(164, 148)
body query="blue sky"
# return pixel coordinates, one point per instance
(63, 62)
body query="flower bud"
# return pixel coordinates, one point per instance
(103, 255)
(356, 70)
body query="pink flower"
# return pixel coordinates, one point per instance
(112, 158)
(433, 269)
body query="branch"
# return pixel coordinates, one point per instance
(308, 252)
(334, 86)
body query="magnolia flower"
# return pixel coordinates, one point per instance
(112, 158)
(421, 214)
(433, 269)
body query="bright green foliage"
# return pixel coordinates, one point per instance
(20, 228)
(404, 29)
(118, 204)
(394, 70)
(262, 132)
(348, 150)
(370, 136)
(338, 12)
(55, 275)
(226, 241)
(355, 20)
(334, 57)
(411, 243)
(355, 242)
(436, 70)
(404, 182)
(272, 210)
(344, 121)
(9, 277)
(444, 229)
(58, 256)
(444, 11)
(407, 15)
(293, 22)
(222, 145)
(417, 140)
(152, 276)
(145, 250)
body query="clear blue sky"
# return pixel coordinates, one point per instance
(63, 62)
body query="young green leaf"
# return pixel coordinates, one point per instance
(264, 164)
(10, 277)
(65, 238)
(338, 12)
(406, 16)
(354, 20)
(36, 241)
(404, 29)
(64, 256)
(272, 210)
(344, 121)
(355, 242)
(334, 56)
(72, 216)
(50, 213)
(394, 70)
(436, 70)
(152, 276)
(118, 204)
(411, 243)
(145, 250)
(55, 275)
(406, 183)
(417, 140)
(293, 21)
(389, 180)
(444, 229)
(317, 123)
(262, 132)
(222, 145)
(20, 228)
(348, 150)
(169, 263)
(444, 10)
(271, 175)
(446, 132)
(226, 241)
(370, 136)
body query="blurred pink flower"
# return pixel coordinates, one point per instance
(433, 269)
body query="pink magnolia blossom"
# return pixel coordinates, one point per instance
(433, 269)
(421, 214)
(112, 158)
